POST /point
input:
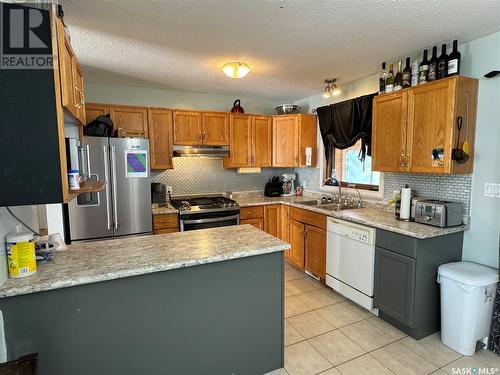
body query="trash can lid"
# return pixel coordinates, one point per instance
(469, 273)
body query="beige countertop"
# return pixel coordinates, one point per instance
(377, 215)
(90, 262)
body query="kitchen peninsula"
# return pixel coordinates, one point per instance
(207, 301)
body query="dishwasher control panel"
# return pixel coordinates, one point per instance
(353, 231)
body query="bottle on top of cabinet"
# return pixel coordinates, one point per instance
(442, 63)
(382, 79)
(389, 83)
(432, 73)
(423, 69)
(415, 67)
(407, 74)
(398, 79)
(454, 60)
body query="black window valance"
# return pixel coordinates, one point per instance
(343, 124)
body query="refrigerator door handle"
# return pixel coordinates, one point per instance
(113, 176)
(88, 161)
(106, 181)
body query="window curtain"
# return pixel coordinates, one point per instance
(494, 339)
(343, 124)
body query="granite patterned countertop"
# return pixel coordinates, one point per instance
(377, 215)
(163, 209)
(90, 262)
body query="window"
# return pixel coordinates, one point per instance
(350, 170)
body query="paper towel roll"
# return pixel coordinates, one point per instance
(405, 203)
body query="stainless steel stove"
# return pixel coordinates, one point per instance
(206, 212)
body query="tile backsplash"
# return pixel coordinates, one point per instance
(207, 175)
(454, 188)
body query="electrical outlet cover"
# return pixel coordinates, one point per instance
(169, 189)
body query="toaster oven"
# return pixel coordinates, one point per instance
(438, 213)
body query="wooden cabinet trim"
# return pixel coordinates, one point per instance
(308, 217)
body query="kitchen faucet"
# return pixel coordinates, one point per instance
(360, 202)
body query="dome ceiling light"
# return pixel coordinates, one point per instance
(331, 88)
(235, 69)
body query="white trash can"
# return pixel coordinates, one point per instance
(467, 297)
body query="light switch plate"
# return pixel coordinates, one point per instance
(491, 190)
(169, 189)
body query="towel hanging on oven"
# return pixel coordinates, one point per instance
(343, 124)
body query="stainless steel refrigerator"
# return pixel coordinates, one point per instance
(123, 208)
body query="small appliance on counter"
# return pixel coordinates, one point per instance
(274, 187)
(158, 193)
(438, 213)
(288, 184)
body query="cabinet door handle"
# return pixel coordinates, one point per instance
(200, 137)
(204, 136)
(401, 160)
(407, 161)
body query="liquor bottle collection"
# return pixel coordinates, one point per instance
(420, 71)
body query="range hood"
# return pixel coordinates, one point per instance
(201, 151)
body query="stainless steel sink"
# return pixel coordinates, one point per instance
(310, 203)
(329, 206)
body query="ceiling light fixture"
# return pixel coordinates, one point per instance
(331, 88)
(235, 69)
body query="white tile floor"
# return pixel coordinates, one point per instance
(326, 334)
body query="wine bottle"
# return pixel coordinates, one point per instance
(454, 60)
(415, 66)
(423, 69)
(381, 79)
(432, 74)
(442, 66)
(398, 80)
(407, 74)
(389, 83)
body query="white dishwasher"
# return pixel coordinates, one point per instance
(350, 258)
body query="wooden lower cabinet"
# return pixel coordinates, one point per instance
(257, 222)
(165, 223)
(308, 240)
(297, 242)
(315, 249)
(272, 220)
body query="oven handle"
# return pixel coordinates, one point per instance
(213, 220)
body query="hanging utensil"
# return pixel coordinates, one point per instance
(457, 153)
(465, 145)
(492, 74)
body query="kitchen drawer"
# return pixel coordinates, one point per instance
(165, 221)
(164, 231)
(251, 212)
(309, 217)
(396, 242)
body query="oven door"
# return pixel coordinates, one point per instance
(209, 220)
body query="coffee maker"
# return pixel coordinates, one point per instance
(288, 184)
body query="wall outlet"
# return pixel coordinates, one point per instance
(491, 190)
(169, 189)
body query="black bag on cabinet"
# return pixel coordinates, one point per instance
(102, 126)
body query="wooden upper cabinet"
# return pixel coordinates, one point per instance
(130, 121)
(261, 141)
(187, 128)
(70, 75)
(160, 138)
(430, 125)
(421, 124)
(389, 132)
(285, 141)
(291, 135)
(215, 128)
(240, 150)
(315, 251)
(93, 110)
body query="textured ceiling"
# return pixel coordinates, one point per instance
(292, 46)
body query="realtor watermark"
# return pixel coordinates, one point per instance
(25, 41)
(475, 370)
